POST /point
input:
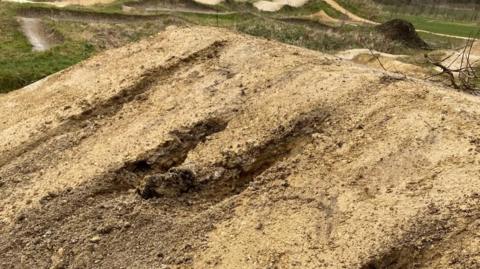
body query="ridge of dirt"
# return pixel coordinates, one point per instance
(402, 31)
(204, 148)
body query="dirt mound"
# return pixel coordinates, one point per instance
(385, 61)
(201, 148)
(402, 31)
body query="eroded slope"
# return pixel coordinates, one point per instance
(202, 148)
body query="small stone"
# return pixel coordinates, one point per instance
(95, 239)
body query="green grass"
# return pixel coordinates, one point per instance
(439, 23)
(441, 42)
(22, 68)
(454, 12)
(19, 65)
(441, 27)
(312, 6)
(363, 8)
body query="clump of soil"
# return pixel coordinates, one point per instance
(404, 32)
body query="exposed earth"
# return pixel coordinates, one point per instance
(202, 148)
(36, 33)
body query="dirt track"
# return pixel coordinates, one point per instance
(36, 34)
(200, 148)
(347, 13)
(276, 5)
(88, 16)
(64, 3)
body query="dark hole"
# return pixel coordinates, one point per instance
(141, 166)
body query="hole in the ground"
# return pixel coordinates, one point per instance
(369, 266)
(393, 259)
(140, 166)
(159, 163)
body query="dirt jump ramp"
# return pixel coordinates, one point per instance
(201, 148)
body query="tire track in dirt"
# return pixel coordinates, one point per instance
(232, 174)
(115, 103)
(278, 154)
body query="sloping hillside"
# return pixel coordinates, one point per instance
(201, 148)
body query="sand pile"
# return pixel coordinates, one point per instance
(276, 5)
(201, 148)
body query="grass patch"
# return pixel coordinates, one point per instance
(364, 8)
(22, 68)
(19, 65)
(441, 27)
(311, 7)
(452, 11)
(441, 42)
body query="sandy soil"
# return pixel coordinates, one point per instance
(268, 6)
(476, 48)
(209, 2)
(456, 61)
(276, 5)
(380, 60)
(351, 54)
(201, 148)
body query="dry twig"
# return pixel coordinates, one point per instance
(465, 76)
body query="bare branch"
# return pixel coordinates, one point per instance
(462, 78)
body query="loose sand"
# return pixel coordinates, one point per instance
(202, 148)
